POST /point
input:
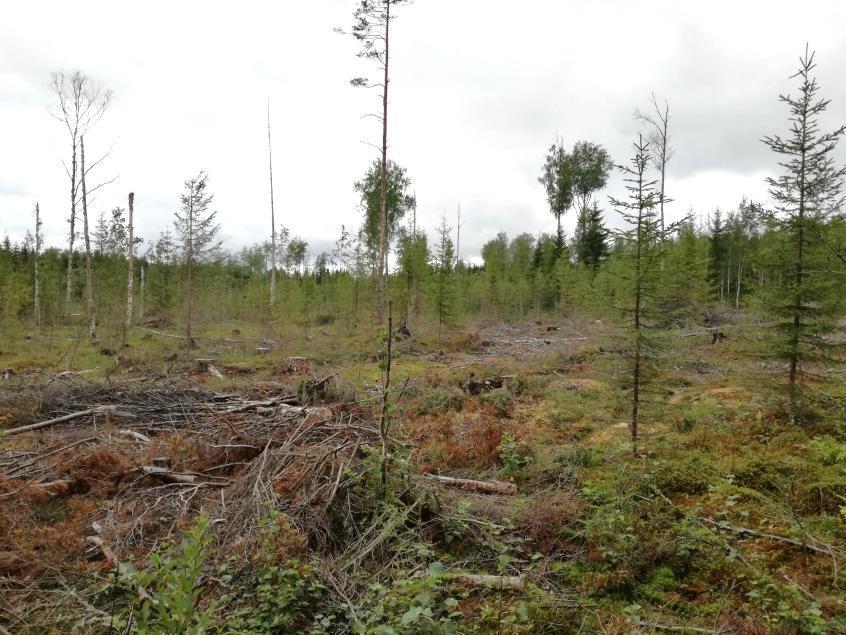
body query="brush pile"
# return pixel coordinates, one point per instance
(112, 470)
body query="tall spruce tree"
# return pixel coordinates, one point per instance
(590, 242)
(413, 251)
(642, 244)
(196, 232)
(442, 289)
(806, 195)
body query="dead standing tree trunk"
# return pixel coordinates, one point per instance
(80, 103)
(130, 257)
(273, 255)
(141, 296)
(72, 232)
(190, 215)
(37, 282)
(660, 140)
(89, 278)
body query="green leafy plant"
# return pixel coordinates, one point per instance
(168, 595)
(415, 605)
(512, 456)
(499, 398)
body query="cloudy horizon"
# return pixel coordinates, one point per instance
(479, 91)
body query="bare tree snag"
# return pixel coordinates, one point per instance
(89, 282)
(37, 281)
(141, 298)
(273, 255)
(80, 103)
(71, 233)
(130, 255)
(660, 140)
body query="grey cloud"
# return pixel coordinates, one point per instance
(480, 88)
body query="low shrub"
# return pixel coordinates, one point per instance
(576, 455)
(439, 399)
(692, 473)
(500, 398)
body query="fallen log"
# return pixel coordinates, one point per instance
(168, 475)
(484, 487)
(760, 534)
(512, 582)
(178, 477)
(70, 417)
(53, 488)
(143, 438)
(178, 337)
(681, 629)
(237, 369)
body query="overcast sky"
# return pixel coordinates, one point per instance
(480, 89)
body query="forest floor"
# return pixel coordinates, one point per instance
(263, 474)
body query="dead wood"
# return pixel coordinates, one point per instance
(111, 410)
(295, 366)
(237, 369)
(178, 477)
(477, 385)
(201, 364)
(98, 542)
(760, 534)
(682, 629)
(143, 438)
(512, 583)
(484, 487)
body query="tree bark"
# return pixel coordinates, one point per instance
(273, 255)
(130, 256)
(384, 420)
(484, 487)
(141, 299)
(637, 308)
(72, 234)
(190, 262)
(37, 282)
(798, 304)
(383, 188)
(89, 281)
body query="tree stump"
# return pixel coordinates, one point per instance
(262, 350)
(201, 364)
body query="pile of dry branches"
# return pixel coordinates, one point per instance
(151, 456)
